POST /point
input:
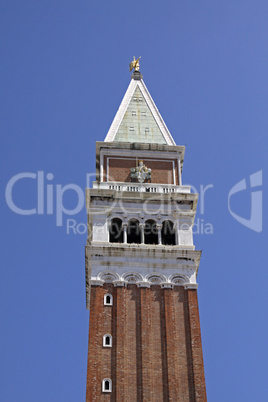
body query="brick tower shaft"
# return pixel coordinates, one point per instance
(156, 353)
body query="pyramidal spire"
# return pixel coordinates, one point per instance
(138, 119)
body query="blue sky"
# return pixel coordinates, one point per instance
(63, 74)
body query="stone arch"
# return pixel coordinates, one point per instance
(156, 278)
(132, 277)
(179, 279)
(108, 276)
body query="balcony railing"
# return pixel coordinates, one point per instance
(142, 187)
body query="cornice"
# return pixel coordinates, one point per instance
(158, 251)
(130, 278)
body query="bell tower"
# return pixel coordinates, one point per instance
(141, 263)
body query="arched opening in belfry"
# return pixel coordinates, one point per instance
(116, 231)
(168, 234)
(150, 232)
(133, 231)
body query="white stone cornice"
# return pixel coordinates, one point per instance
(141, 281)
(144, 284)
(119, 283)
(146, 264)
(179, 196)
(96, 282)
(167, 285)
(191, 286)
(168, 154)
(154, 278)
(144, 251)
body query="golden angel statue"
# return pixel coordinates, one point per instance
(135, 64)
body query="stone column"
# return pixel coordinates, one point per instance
(177, 232)
(142, 232)
(125, 232)
(159, 227)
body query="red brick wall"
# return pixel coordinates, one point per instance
(119, 169)
(156, 353)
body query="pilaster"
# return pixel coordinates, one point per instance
(94, 374)
(196, 346)
(146, 343)
(172, 372)
(120, 388)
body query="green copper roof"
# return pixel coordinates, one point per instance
(138, 123)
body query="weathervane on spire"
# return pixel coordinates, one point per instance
(135, 64)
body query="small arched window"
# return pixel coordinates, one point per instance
(108, 300)
(107, 341)
(106, 385)
(116, 231)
